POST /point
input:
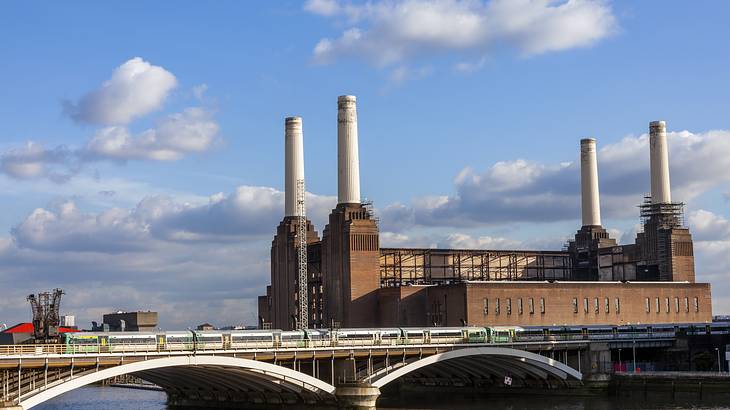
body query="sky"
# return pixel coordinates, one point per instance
(141, 143)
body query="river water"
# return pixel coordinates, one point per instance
(115, 398)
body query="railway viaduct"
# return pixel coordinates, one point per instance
(346, 377)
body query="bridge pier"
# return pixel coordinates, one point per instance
(8, 405)
(357, 396)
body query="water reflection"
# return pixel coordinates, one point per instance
(113, 398)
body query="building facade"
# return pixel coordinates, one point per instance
(353, 282)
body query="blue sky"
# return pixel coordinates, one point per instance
(465, 108)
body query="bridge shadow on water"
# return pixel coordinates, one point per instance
(114, 398)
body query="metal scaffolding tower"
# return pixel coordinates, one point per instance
(302, 236)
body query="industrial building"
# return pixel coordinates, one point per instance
(353, 282)
(129, 322)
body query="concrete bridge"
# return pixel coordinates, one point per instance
(344, 376)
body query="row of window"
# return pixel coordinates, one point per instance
(597, 305)
(667, 305)
(508, 306)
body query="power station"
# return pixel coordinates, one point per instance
(353, 282)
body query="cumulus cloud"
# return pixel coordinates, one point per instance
(389, 32)
(248, 212)
(192, 130)
(528, 191)
(464, 241)
(33, 160)
(135, 88)
(192, 261)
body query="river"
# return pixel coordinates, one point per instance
(115, 398)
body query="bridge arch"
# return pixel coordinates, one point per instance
(219, 371)
(497, 361)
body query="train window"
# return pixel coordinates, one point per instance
(676, 305)
(542, 305)
(666, 304)
(585, 305)
(608, 305)
(697, 304)
(618, 305)
(509, 306)
(519, 306)
(658, 307)
(575, 305)
(648, 305)
(496, 306)
(486, 306)
(686, 304)
(596, 306)
(531, 305)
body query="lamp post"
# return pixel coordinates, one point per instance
(619, 359)
(719, 364)
(634, 354)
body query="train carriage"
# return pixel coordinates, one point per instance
(131, 342)
(291, 338)
(85, 342)
(252, 339)
(318, 337)
(179, 340)
(411, 336)
(354, 337)
(208, 340)
(447, 335)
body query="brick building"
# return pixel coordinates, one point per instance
(353, 282)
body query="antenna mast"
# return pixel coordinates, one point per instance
(302, 236)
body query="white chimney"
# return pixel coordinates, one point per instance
(590, 202)
(348, 160)
(659, 158)
(294, 163)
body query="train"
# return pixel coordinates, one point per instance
(272, 338)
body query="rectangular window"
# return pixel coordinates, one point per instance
(658, 306)
(676, 305)
(596, 306)
(666, 305)
(648, 305)
(585, 305)
(697, 304)
(519, 306)
(486, 306)
(542, 305)
(608, 305)
(618, 305)
(686, 304)
(575, 305)
(531, 305)
(509, 306)
(496, 306)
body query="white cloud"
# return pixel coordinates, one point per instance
(708, 226)
(193, 130)
(190, 261)
(527, 191)
(247, 213)
(465, 241)
(135, 88)
(323, 7)
(35, 161)
(470, 66)
(199, 91)
(397, 30)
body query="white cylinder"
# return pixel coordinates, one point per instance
(590, 202)
(659, 159)
(294, 163)
(348, 159)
